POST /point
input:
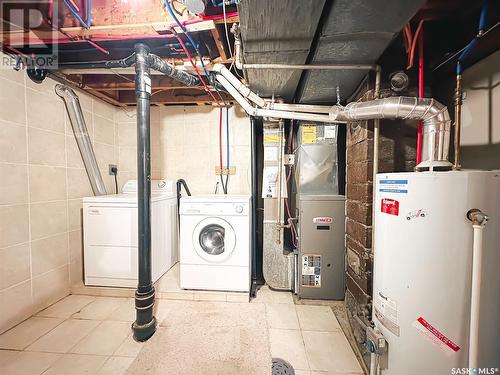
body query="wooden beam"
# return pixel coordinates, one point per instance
(219, 43)
(107, 83)
(168, 97)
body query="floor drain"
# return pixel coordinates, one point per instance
(281, 367)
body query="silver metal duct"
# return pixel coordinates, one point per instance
(82, 138)
(435, 117)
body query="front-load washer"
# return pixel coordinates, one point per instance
(110, 254)
(215, 242)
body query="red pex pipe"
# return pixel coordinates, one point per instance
(104, 38)
(420, 90)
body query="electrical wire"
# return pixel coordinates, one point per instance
(185, 31)
(225, 29)
(193, 64)
(220, 152)
(76, 15)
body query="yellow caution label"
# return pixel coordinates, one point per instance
(308, 134)
(271, 138)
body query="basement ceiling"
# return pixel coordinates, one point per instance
(116, 26)
(351, 31)
(277, 32)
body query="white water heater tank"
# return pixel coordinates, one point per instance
(422, 271)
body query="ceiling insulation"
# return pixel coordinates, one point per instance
(356, 31)
(277, 32)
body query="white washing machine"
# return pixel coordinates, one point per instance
(110, 254)
(215, 242)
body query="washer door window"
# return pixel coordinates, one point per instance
(214, 239)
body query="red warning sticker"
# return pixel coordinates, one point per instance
(437, 337)
(390, 206)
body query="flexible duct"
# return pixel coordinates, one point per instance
(82, 138)
(435, 117)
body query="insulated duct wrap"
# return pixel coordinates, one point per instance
(82, 138)
(156, 63)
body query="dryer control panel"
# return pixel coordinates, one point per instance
(215, 209)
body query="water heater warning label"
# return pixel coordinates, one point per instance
(438, 338)
(386, 311)
(389, 206)
(311, 271)
(393, 186)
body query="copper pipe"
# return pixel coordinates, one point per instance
(458, 122)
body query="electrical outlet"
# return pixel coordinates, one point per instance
(225, 171)
(113, 169)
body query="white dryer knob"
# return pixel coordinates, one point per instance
(239, 209)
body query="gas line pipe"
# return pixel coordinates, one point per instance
(479, 220)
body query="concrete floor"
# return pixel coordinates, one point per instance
(199, 332)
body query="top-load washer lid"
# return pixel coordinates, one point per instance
(128, 198)
(157, 186)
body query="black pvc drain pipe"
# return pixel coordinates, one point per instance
(281, 367)
(145, 324)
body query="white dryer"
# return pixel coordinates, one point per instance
(215, 242)
(110, 235)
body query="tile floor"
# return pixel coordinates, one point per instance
(88, 334)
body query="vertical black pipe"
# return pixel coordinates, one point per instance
(145, 324)
(255, 192)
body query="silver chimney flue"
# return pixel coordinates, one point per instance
(434, 115)
(82, 138)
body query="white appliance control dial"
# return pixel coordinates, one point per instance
(239, 209)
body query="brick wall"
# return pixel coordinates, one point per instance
(396, 153)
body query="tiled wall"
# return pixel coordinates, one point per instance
(185, 144)
(42, 181)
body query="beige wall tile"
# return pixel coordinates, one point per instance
(16, 76)
(12, 102)
(46, 110)
(75, 245)
(46, 87)
(125, 115)
(47, 183)
(14, 265)
(14, 183)
(103, 109)
(73, 156)
(172, 135)
(16, 305)
(78, 183)
(127, 159)
(76, 272)
(49, 253)
(14, 225)
(46, 148)
(104, 130)
(12, 142)
(48, 219)
(75, 220)
(50, 287)
(127, 134)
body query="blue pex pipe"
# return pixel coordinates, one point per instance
(76, 15)
(472, 44)
(464, 54)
